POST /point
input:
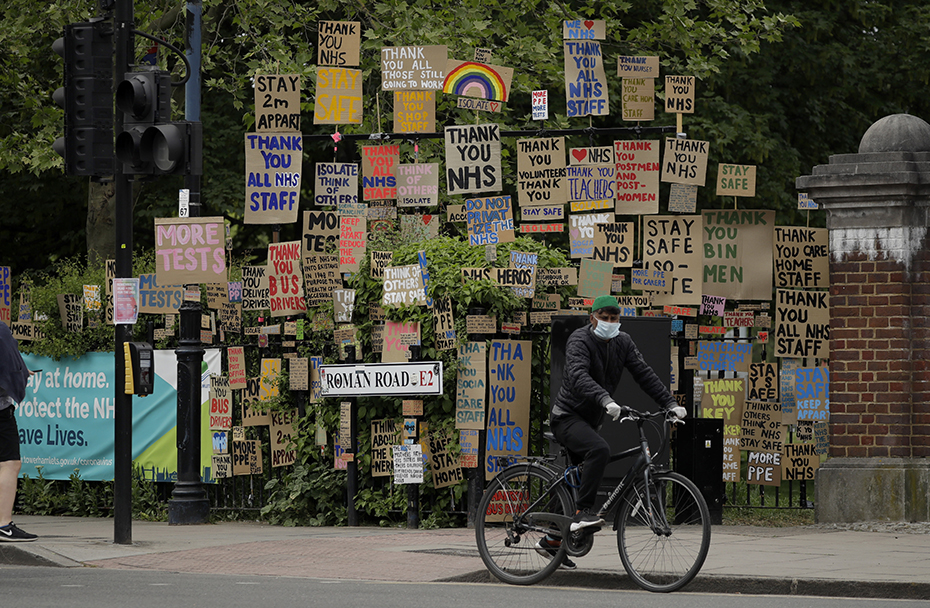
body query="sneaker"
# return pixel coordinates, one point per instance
(584, 519)
(10, 533)
(547, 547)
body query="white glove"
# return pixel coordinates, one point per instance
(678, 412)
(613, 410)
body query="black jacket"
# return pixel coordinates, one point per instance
(592, 372)
(13, 372)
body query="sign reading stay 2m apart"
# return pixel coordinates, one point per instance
(421, 378)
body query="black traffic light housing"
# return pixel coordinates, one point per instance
(140, 368)
(150, 143)
(87, 98)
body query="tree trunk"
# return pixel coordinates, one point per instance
(101, 215)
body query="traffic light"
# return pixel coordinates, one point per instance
(87, 98)
(150, 143)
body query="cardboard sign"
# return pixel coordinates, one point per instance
(802, 257)
(334, 183)
(230, 314)
(272, 184)
(541, 171)
(403, 285)
(416, 228)
(588, 29)
(524, 287)
(591, 182)
(158, 298)
(270, 371)
(803, 323)
(638, 66)
(221, 466)
(220, 404)
(338, 97)
(726, 356)
(650, 279)
(613, 242)
(92, 301)
(806, 202)
(444, 466)
(479, 80)
(581, 229)
(738, 253)
(556, 212)
(585, 80)
(321, 278)
(71, 312)
(398, 336)
(299, 374)
(338, 42)
(594, 278)
(190, 250)
(736, 180)
(685, 161)
(315, 385)
(379, 165)
(444, 323)
(247, 457)
(762, 430)
(556, 277)
(480, 324)
(468, 442)
(285, 279)
(479, 105)
(639, 99)
(277, 103)
(489, 220)
(418, 185)
(343, 305)
(637, 165)
(408, 464)
(679, 94)
(763, 468)
(353, 241)
(800, 461)
(471, 386)
(281, 432)
(540, 101)
(6, 289)
(673, 243)
(252, 414)
(473, 159)
(509, 364)
(600, 155)
(383, 436)
(414, 111)
(725, 399)
(763, 382)
(682, 198)
(812, 393)
(712, 305)
(235, 363)
(413, 68)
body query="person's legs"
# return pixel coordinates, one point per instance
(9, 474)
(582, 439)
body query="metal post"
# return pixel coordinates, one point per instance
(413, 489)
(122, 448)
(352, 448)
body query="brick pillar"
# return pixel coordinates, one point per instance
(876, 203)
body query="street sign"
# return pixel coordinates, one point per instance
(362, 380)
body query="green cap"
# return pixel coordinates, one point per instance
(604, 302)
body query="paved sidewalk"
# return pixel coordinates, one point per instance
(806, 561)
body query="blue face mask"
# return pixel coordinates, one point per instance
(605, 330)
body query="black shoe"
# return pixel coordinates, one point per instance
(584, 519)
(548, 546)
(10, 533)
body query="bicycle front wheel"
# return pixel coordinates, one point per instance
(662, 548)
(511, 547)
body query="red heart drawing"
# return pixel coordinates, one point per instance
(579, 153)
(589, 24)
(427, 219)
(494, 106)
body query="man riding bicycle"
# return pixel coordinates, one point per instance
(595, 357)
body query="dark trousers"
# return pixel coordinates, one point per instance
(585, 445)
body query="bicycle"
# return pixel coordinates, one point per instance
(661, 518)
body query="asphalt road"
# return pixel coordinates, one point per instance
(39, 587)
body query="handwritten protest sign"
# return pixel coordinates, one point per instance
(444, 466)
(682, 198)
(588, 29)
(594, 278)
(353, 242)
(806, 202)
(343, 305)
(414, 111)
(338, 42)
(235, 357)
(281, 432)
(379, 166)
(541, 171)
(471, 386)
(803, 323)
(812, 393)
(591, 182)
(338, 96)
(473, 159)
(762, 429)
(220, 404)
(725, 399)
(321, 278)
(650, 279)
(638, 66)
(403, 285)
(383, 436)
(335, 183)
(556, 277)
(246, 457)
(763, 382)
(272, 186)
(190, 250)
(6, 291)
(475, 79)
(802, 257)
(408, 463)
(540, 100)
(320, 233)
(397, 338)
(157, 298)
(444, 324)
(736, 180)
(252, 410)
(418, 185)
(639, 96)
(489, 220)
(673, 244)
(71, 312)
(581, 229)
(468, 442)
(727, 356)
(528, 261)
(800, 461)
(712, 305)
(509, 406)
(679, 94)
(685, 161)
(738, 253)
(585, 80)
(637, 166)
(285, 279)
(613, 242)
(786, 388)
(277, 103)
(763, 468)
(413, 68)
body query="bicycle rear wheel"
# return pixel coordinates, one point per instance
(509, 544)
(663, 558)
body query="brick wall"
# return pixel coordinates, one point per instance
(880, 355)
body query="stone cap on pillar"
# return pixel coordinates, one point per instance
(885, 185)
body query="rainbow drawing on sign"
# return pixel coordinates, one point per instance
(474, 79)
